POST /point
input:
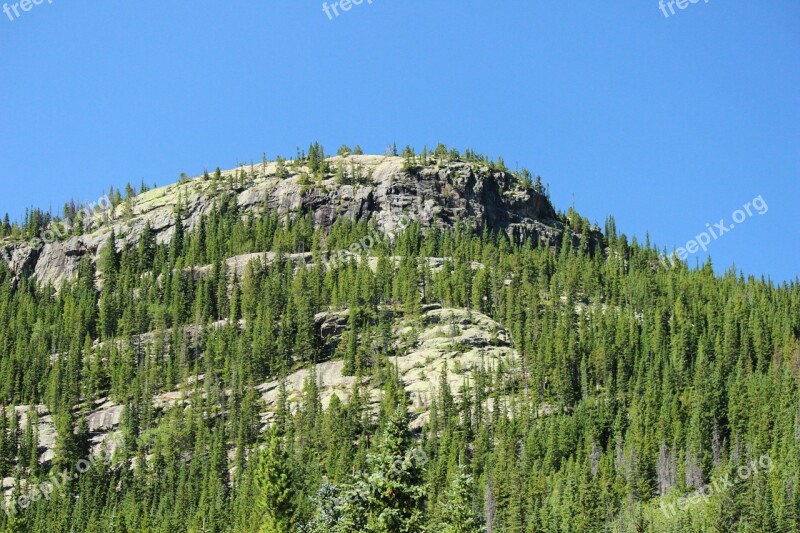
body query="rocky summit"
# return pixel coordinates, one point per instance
(384, 190)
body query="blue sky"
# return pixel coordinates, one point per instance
(665, 123)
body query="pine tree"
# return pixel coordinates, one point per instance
(458, 512)
(277, 497)
(5, 444)
(390, 495)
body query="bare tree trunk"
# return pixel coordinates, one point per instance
(491, 505)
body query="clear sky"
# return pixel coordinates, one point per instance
(667, 123)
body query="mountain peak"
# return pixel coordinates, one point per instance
(389, 192)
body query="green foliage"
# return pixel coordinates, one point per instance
(458, 510)
(276, 497)
(634, 383)
(388, 497)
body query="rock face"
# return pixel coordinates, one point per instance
(440, 194)
(457, 340)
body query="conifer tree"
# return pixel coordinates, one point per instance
(277, 496)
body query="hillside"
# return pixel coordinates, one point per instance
(384, 343)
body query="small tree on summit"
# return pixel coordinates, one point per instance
(316, 157)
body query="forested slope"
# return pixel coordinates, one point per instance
(587, 387)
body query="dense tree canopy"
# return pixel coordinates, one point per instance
(638, 385)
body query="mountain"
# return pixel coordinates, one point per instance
(382, 191)
(383, 343)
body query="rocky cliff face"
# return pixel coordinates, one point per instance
(438, 194)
